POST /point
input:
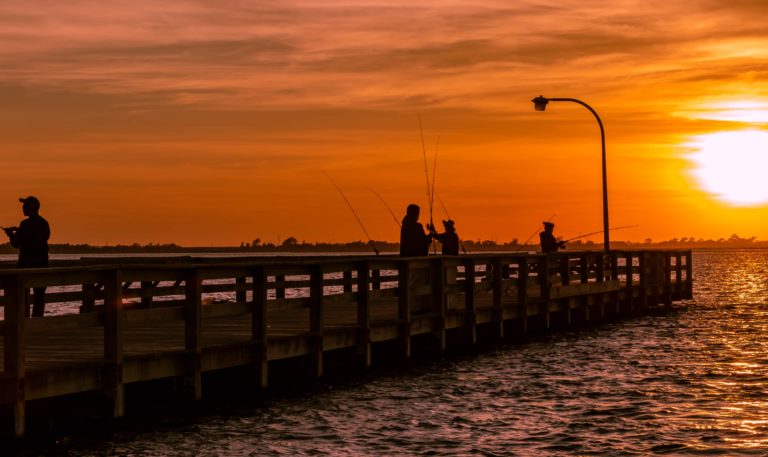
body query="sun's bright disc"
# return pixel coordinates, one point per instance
(732, 166)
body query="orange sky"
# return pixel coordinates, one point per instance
(209, 123)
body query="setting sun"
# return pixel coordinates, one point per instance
(731, 166)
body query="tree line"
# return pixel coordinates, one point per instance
(292, 244)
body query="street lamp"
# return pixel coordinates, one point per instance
(540, 104)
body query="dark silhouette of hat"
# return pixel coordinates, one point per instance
(548, 224)
(32, 201)
(448, 223)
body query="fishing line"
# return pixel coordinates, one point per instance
(370, 241)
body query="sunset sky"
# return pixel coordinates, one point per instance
(211, 123)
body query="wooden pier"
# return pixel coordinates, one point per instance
(130, 320)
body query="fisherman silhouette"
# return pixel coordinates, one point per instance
(31, 239)
(548, 242)
(414, 242)
(449, 239)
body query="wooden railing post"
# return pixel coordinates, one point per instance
(193, 330)
(613, 275)
(628, 271)
(14, 349)
(688, 275)
(347, 274)
(544, 286)
(614, 256)
(259, 325)
(279, 290)
(240, 295)
(667, 290)
(316, 320)
(565, 269)
(146, 293)
(644, 271)
(89, 297)
(439, 300)
(678, 276)
(498, 294)
(113, 340)
(522, 290)
(404, 306)
(470, 319)
(600, 263)
(584, 268)
(364, 312)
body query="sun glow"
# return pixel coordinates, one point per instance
(731, 165)
(747, 111)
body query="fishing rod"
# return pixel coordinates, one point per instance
(426, 174)
(397, 221)
(370, 241)
(434, 173)
(445, 210)
(600, 231)
(432, 195)
(533, 234)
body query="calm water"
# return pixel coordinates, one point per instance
(694, 382)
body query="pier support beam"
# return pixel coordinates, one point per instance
(439, 301)
(259, 326)
(193, 331)
(316, 321)
(470, 308)
(113, 341)
(404, 307)
(364, 313)
(14, 370)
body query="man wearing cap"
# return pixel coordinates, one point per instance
(414, 241)
(548, 242)
(449, 240)
(31, 239)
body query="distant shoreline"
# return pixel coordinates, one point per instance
(388, 247)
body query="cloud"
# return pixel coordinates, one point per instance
(288, 54)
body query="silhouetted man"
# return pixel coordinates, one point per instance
(449, 240)
(414, 242)
(31, 239)
(548, 242)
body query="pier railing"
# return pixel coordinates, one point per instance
(110, 325)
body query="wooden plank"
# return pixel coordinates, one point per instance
(226, 309)
(171, 313)
(289, 303)
(65, 321)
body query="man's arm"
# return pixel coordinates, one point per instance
(13, 235)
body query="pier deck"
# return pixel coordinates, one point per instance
(128, 322)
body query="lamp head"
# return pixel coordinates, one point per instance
(540, 103)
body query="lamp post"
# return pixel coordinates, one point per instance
(540, 103)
